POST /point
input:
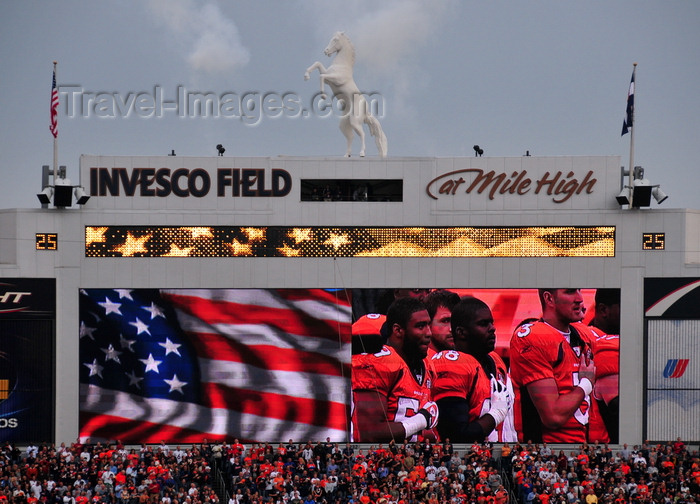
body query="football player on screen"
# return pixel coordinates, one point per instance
(551, 364)
(472, 388)
(604, 424)
(440, 303)
(392, 389)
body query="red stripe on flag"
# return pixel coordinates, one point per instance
(316, 412)
(288, 320)
(217, 347)
(336, 298)
(98, 426)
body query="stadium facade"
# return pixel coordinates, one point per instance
(214, 297)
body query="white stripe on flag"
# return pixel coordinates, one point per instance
(267, 298)
(290, 383)
(216, 421)
(258, 334)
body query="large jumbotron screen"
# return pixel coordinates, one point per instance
(265, 365)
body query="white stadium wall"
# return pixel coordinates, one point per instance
(229, 227)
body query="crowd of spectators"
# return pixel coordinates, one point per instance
(328, 473)
(110, 473)
(592, 474)
(324, 472)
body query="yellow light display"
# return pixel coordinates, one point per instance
(321, 241)
(46, 241)
(653, 241)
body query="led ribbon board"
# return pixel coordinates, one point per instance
(348, 241)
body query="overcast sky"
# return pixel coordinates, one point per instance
(549, 76)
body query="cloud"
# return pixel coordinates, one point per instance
(390, 35)
(212, 40)
(387, 36)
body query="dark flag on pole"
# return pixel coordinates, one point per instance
(629, 116)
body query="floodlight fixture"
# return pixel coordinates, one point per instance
(641, 193)
(45, 195)
(659, 195)
(62, 196)
(60, 191)
(623, 198)
(81, 197)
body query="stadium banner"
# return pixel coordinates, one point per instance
(27, 359)
(444, 184)
(673, 379)
(672, 388)
(25, 298)
(183, 365)
(514, 313)
(672, 298)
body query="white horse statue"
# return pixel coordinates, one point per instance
(339, 77)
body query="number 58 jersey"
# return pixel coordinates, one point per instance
(388, 374)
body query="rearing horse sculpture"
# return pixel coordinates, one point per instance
(355, 109)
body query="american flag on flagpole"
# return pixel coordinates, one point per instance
(53, 126)
(188, 364)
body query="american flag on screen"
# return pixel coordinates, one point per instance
(188, 364)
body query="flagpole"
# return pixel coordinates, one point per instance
(55, 141)
(632, 128)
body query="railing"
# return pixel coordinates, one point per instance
(218, 481)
